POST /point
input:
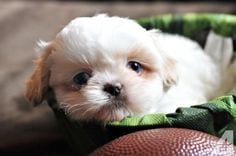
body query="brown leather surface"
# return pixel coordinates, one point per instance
(167, 142)
(22, 23)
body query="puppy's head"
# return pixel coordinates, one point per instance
(102, 68)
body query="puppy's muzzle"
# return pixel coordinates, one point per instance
(113, 89)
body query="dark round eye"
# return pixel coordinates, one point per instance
(135, 66)
(81, 78)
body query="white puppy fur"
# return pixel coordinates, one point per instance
(146, 71)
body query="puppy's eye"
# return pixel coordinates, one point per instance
(81, 78)
(135, 66)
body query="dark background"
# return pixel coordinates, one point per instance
(25, 130)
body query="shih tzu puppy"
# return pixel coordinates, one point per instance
(106, 68)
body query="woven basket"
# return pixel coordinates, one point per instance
(214, 117)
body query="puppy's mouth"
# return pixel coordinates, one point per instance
(116, 108)
(116, 95)
(108, 105)
(117, 101)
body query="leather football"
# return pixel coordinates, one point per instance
(167, 142)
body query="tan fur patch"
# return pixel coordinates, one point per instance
(170, 77)
(37, 84)
(147, 62)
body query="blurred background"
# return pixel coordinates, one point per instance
(25, 130)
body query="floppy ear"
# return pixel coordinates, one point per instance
(38, 83)
(169, 73)
(168, 69)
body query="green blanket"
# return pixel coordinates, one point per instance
(214, 117)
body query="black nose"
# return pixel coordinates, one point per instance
(113, 89)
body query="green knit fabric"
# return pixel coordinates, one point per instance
(189, 24)
(194, 26)
(150, 119)
(213, 117)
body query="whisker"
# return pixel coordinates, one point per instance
(65, 106)
(76, 109)
(68, 100)
(75, 105)
(89, 110)
(81, 107)
(85, 106)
